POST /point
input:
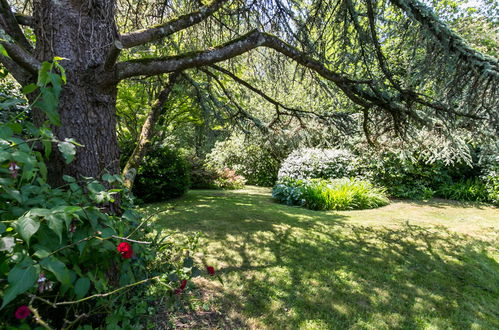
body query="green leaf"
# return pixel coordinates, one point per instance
(188, 262)
(15, 127)
(43, 77)
(7, 243)
(24, 158)
(4, 155)
(41, 252)
(55, 223)
(108, 178)
(14, 194)
(11, 102)
(95, 187)
(5, 132)
(68, 178)
(81, 287)
(26, 227)
(3, 52)
(68, 150)
(21, 278)
(57, 267)
(48, 104)
(29, 89)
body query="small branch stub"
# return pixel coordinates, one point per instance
(114, 52)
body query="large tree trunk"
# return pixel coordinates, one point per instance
(82, 32)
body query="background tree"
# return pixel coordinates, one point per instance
(358, 49)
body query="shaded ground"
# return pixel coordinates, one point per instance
(407, 265)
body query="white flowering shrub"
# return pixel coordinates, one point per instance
(309, 163)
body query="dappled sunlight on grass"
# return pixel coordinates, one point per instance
(406, 265)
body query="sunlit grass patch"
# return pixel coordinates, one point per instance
(424, 265)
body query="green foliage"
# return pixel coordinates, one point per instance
(202, 177)
(404, 177)
(332, 194)
(163, 174)
(415, 178)
(58, 245)
(253, 161)
(472, 190)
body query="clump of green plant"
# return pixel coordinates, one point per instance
(472, 190)
(163, 174)
(332, 194)
(65, 258)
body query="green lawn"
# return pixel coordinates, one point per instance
(409, 265)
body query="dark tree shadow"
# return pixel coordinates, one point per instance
(317, 267)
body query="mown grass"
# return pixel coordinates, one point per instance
(424, 265)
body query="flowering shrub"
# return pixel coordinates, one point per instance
(202, 176)
(332, 194)
(312, 163)
(228, 179)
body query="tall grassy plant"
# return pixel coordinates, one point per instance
(333, 194)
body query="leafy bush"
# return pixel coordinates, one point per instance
(405, 177)
(312, 163)
(489, 162)
(290, 191)
(252, 160)
(332, 194)
(228, 179)
(63, 259)
(472, 190)
(163, 174)
(202, 177)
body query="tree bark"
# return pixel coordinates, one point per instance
(82, 31)
(147, 133)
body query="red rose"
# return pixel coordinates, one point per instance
(22, 312)
(125, 249)
(211, 270)
(180, 289)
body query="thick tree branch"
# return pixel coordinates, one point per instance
(9, 23)
(141, 37)
(21, 56)
(24, 20)
(23, 76)
(113, 55)
(191, 60)
(447, 38)
(353, 89)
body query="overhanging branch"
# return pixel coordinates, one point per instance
(141, 37)
(21, 56)
(448, 39)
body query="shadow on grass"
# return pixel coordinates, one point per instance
(291, 267)
(446, 203)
